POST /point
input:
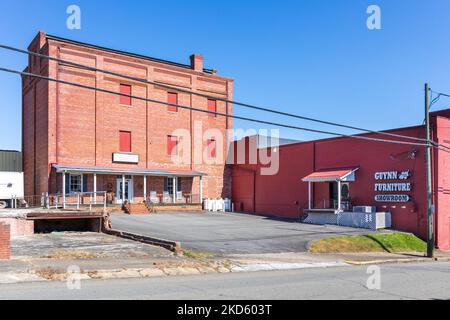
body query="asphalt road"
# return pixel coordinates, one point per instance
(401, 281)
(230, 233)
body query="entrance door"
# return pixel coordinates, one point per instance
(345, 195)
(128, 190)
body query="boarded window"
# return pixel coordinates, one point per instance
(125, 141)
(212, 106)
(172, 98)
(211, 148)
(172, 145)
(125, 89)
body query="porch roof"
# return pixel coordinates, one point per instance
(331, 175)
(119, 171)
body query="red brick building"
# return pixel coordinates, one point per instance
(76, 139)
(310, 172)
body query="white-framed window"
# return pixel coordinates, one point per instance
(75, 183)
(169, 185)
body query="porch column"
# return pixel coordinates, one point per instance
(64, 189)
(200, 190)
(95, 188)
(309, 195)
(339, 195)
(145, 188)
(123, 188)
(174, 186)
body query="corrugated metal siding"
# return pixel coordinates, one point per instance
(10, 161)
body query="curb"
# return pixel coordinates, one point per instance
(286, 266)
(167, 244)
(35, 276)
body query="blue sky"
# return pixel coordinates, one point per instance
(316, 58)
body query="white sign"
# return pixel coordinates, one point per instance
(393, 175)
(396, 187)
(392, 198)
(125, 157)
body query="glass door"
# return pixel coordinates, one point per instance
(128, 190)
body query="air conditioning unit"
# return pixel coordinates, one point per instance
(365, 209)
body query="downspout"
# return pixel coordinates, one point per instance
(314, 170)
(254, 191)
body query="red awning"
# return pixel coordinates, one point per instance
(331, 175)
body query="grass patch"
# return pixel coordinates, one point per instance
(392, 242)
(198, 254)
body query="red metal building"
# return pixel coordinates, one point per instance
(390, 177)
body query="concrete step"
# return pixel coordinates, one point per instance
(136, 208)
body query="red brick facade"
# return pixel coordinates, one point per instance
(5, 251)
(65, 125)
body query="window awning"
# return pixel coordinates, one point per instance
(332, 175)
(136, 171)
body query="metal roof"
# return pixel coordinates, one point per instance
(134, 55)
(10, 161)
(330, 175)
(117, 171)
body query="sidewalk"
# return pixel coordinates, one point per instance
(100, 256)
(18, 270)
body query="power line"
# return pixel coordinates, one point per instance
(441, 94)
(246, 105)
(28, 74)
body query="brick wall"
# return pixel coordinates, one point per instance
(5, 250)
(19, 227)
(73, 126)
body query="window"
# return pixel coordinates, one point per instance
(211, 148)
(124, 141)
(173, 99)
(125, 89)
(172, 145)
(168, 185)
(75, 183)
(212, 106)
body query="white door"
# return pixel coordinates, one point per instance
(128, 190)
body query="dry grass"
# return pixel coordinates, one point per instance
(48, 273)
(72, 254)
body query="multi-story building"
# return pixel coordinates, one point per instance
(83, 140)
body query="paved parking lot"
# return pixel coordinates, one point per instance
(229, 233)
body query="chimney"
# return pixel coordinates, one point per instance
(197, 62)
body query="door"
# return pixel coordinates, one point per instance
(345, 195)
(128, 190)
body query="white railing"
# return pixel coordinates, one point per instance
(83, 199)
(78, 200)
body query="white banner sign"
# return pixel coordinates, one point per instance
(125, 158)
(392, 198)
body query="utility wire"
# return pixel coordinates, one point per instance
(28, 74)
(246, 105)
